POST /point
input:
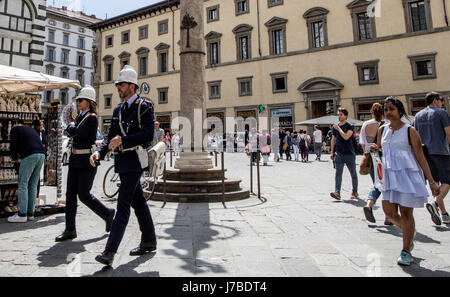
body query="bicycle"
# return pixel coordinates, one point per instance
(149, 179)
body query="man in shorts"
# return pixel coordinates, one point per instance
(433, 125)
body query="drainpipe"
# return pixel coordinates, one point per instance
(173, 35)
(445, 12)
(259, 29)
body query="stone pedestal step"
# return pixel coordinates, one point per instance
(199, 197)
(193, 156)
(198, 186)
(193, 160)
(194, 174)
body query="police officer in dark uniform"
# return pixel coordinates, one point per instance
(81, 173)
(125, 134)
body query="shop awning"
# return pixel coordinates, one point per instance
(15, 80)
(328, 120)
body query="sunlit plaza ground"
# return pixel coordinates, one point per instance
(296, 229)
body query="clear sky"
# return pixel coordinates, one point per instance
(102, 8)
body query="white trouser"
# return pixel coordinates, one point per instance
(296, 151)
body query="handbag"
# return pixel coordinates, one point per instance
(265, 149)
(284, 147)
(366, 164)
(248, 149)
(378, 167)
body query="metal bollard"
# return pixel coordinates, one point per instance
(223, 176)
(164, 186)
(251, 174)
(257, 175)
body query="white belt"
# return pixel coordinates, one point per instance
(121, 150)
(81, 152)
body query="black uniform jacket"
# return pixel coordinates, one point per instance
(135, 135)
(83, 137)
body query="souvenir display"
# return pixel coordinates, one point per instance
(12, 109)
(52, 146)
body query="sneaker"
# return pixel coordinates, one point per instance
(446, 218)
(434, 212)
(388, 222)
(16, 219)
(30, 218)
(368, 212)
(354, 195)
(405, 259)
(336, 195)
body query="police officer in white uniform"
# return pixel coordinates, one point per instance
(81, 173)
(125, 134)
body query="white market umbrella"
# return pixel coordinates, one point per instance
(328, 120)
(15, 80)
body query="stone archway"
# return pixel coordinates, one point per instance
(322, 96)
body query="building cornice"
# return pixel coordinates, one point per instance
(158, 7)
(71, 19)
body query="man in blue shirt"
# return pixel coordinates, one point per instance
(433, 125)
(343, 153)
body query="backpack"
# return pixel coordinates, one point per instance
(302, 142)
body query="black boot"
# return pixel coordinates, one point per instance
(66, 235)
(106, 258)
(110, 219)
(144, 248)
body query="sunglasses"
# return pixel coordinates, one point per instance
(79, 100)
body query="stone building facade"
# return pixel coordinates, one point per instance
(292, 60)
(22, 33)
(68, 50)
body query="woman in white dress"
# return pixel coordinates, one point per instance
(404, 164)
(176, 143)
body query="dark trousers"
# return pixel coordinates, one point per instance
(288, 153)
(131, 195)
(79, 183)
(255, 157)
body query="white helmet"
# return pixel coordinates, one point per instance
(87, 93)
(128, 75)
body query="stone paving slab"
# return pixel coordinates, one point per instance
(297, 229)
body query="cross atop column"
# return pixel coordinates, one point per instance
(188, 23)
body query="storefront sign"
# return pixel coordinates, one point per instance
(284, 116)
(284, 112)
(246, 114)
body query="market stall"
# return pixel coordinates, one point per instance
(16, 103)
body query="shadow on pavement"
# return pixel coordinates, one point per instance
(442, 228)
(202, 235)
(398, 233)
(39, 222)
(127, 270)
(60, 252)
(356, 202)
(416, 271)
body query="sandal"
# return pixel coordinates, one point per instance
(369, 214)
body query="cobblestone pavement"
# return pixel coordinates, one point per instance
(297, 229)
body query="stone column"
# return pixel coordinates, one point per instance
(192, 79)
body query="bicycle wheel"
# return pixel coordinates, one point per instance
(111, 183)
(152, 181)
